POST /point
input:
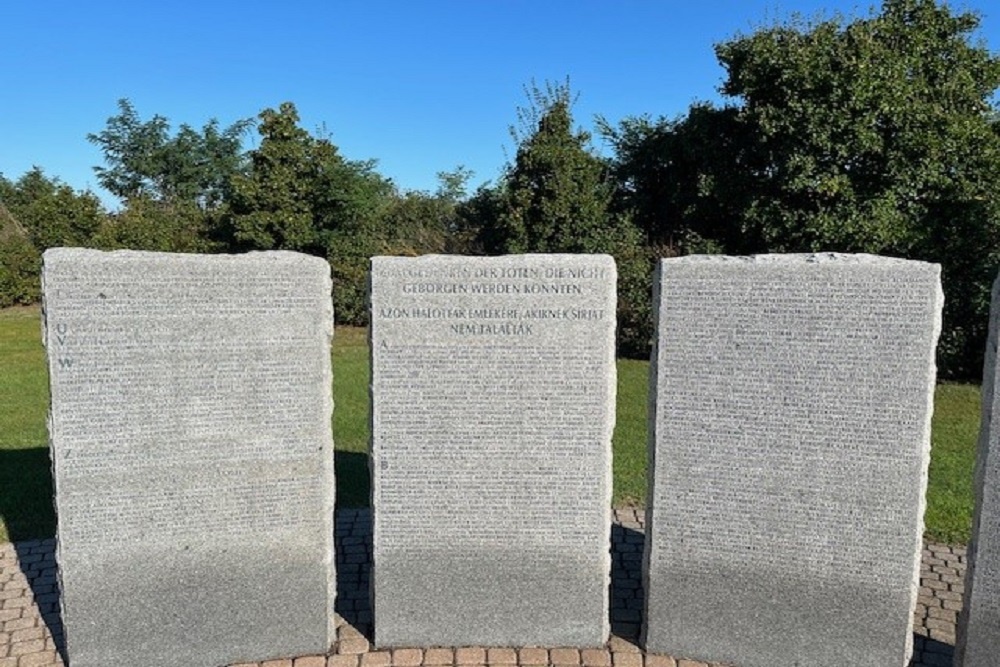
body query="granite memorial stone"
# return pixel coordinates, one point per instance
(978, 642)
(493, 386)
(790, 438)
(192, 455)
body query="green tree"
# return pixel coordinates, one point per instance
(453, 185)
(877, 135)
(20, 266)
(270, 205)
(556, 192)
(418, 223)
(20, 261)
(149, 224)
(556, 197)
(299, 193)
(474, 229)
(39, 212)
(859, 128)
(50, 212)
(682, 181)
(144, 160)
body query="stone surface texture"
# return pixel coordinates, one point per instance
(791, 438)
(979, 625)
(30, 604)
(493, 386)
(192, 455)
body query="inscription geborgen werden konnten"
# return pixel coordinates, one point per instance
(470, 286)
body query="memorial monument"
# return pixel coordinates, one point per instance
(790, 438)
(493, 387)
(978, 641)
(192, 455)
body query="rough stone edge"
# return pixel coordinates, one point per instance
(373, 491)
(652, 406)
(609, 456)
(329, 446)
(608, 480)
(937, 306)
(796, 258)
(54, 255)
(989, 407)
(488, 259)
(61, 253)
(47, 257)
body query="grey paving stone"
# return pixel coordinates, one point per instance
(493, 384)
(193, 462)
(793, 397)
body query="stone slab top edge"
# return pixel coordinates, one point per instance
(798, 258)
(506, 258)
(289, 256)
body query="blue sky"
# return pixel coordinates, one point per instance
(421, 86)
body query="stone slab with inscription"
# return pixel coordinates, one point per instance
(790, 438)
(978, 641)
(192, 455)
(493, 386)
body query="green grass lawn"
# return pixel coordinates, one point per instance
(350, 415)
(954, 432)
(26, 483)
(26, 509)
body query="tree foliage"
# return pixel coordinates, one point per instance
(299, 191)
(38, 212)
(858, 130)
(270, 206)
(556, 198)
(150, 224)
(875, 134)
(556, 194)
(301, 194)
(144, 160)
(870, 135)
(681, 180)
(50, 212)
(20, 268)
(474, 229)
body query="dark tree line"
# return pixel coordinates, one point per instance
(876, 134)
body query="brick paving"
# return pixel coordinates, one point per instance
(31, 629)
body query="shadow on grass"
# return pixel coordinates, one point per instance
(353, 481)
(26, 503)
